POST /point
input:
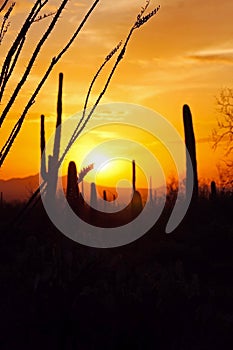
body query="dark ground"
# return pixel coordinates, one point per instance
(161, 292)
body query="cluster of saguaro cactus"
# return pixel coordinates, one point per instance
(51, 175)
(191, 169)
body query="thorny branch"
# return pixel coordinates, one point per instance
(8, 67)
(32, 61)
(139, 22)
(16, 129)
(5, 23)
(4, 5)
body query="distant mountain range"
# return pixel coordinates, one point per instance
(20, 189)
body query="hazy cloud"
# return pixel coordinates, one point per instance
(218, 55)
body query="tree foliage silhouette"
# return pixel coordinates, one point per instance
(222, 136)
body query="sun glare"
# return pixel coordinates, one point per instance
(100, 161)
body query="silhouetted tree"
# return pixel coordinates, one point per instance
(222, 136)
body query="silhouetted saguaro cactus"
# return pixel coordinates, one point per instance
(134, 175)
(213, 190)
(42, 148)
(93, 195)
(191, 149)
(136, 203)
(51, 175)
(72, 190)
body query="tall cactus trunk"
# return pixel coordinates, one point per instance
(57, 141)
(191, 171)
(93, 195)
(42, 148)
(51, 175)
(213, 189)
(53, 164)
(134, 176)
(72, 191)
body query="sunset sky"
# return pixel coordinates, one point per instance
(184, 54)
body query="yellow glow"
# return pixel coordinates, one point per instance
(113, 147)
(183, 55)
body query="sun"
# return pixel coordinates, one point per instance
(102, 166)
(100, 160)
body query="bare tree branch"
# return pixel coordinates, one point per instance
(224, 131)
(222, 136)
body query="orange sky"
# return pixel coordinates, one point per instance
(183, 55)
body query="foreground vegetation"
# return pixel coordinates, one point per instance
(162, 291)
